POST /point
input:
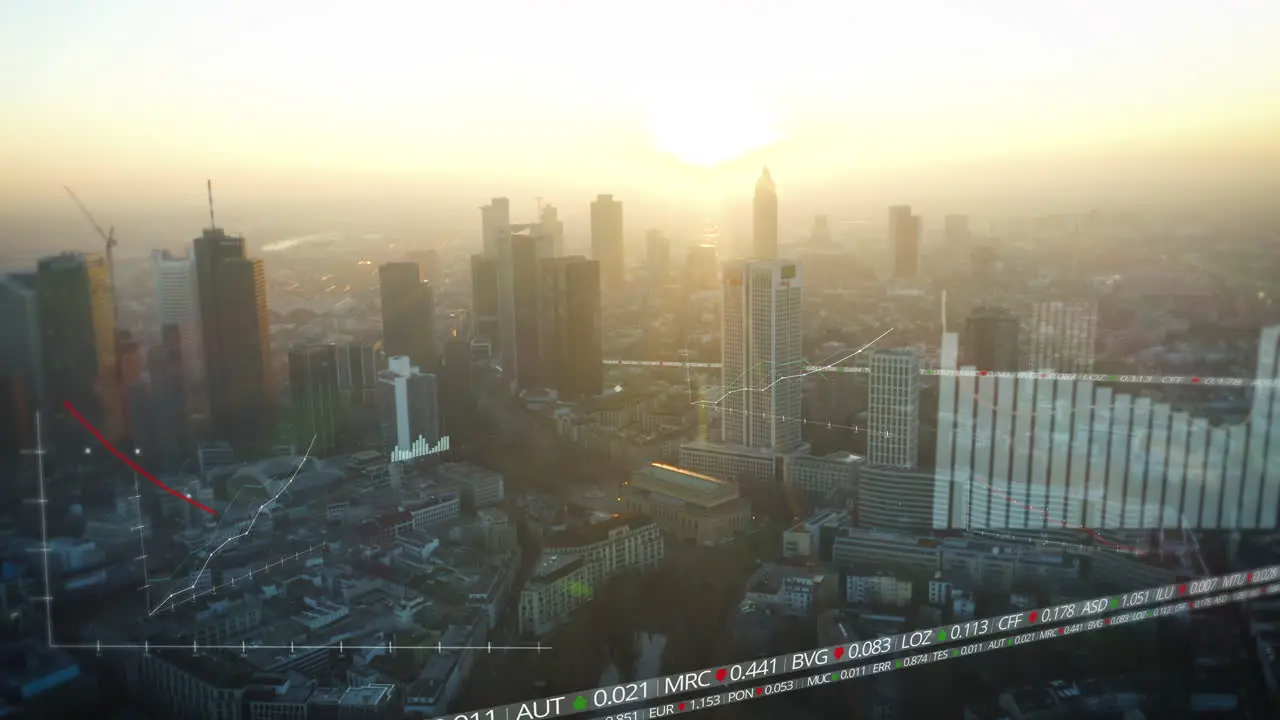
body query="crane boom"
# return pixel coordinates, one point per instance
(108, 239)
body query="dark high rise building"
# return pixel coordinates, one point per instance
(456, 387)
(16, 428)
(357, 374)
(990, 340)
(78, 349)
(313, 388)
(408, 313)
(569, 328)
(130, 366)
(550, 224)
(248, 396)
(606, 240)
(428, 265)
(657, 260)
(820, 235)
(161, 426)
(495, 220)
(904, 240)
(484, 297)
(237, 343)
(956, 228)
(764, 226)
(518, 308)
(702, 269)
(20, 367)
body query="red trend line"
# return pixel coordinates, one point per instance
(1064, 524)
(131, 463)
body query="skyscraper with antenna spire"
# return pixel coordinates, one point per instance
(237, 347)
(764, 228)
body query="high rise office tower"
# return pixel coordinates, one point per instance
(485, 297)
(211, 250)
(20, 366)
(606, 241)
(1063, 336)
(160, 416)
(956, 228)
(408, 313)
(78, 348)
(495, 220)
(129, 368)
(357, 373)
(764, 226)
(544, 240)
(762, 344)
(893, 417)
(518, 306)
(820, 235)
(408, 405)
(991, 339)
(177, 292)
(236, 339)
(702, 269)
(313, 388)
(17, 432)
(569, 329)
(456, 402)
(244, 408)
(428, 265)
(657, 259)
(553, 228)
(904, 240)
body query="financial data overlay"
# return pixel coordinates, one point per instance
(920, 646)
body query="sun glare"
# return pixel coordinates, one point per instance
(708, 132)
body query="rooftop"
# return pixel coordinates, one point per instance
(687, 478)
(551, 568)
(598, 532)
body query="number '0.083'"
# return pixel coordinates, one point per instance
(869, 648)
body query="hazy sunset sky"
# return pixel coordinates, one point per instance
(133, 96)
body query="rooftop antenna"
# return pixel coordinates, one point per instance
(209, 185)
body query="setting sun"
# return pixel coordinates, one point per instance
(707, 131)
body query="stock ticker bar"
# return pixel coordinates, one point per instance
(1083, 377)
(922, 642)
(727, 697)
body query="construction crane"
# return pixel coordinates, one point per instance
(109, 240)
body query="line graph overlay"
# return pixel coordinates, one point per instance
(48, 598)
(1207, 381)
(809, 370)
(128, 461)
(170, 601)
(230, 504)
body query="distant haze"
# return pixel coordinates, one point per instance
(310, 115)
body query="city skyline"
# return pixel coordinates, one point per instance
(1191, 92)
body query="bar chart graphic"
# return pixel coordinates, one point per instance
(1093, 457)
(419, 449)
